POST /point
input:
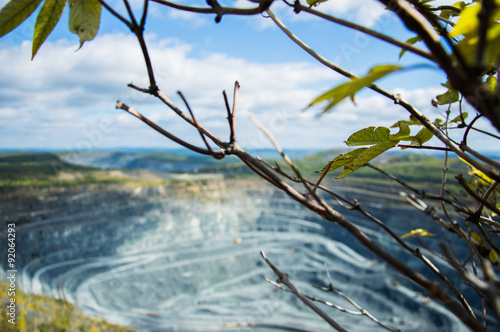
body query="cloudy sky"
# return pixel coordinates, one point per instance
(65, 98)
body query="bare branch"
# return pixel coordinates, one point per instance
(219, 10)
(198, 127)
(130, 13)
(404, 45)
(362, 311)
(487, 7)
(489, 287)
(396, 98)
(116, 14)
(120, 105)
(232, 114)
(478, 198)
(144, 14)
(276, 145)
(283, 279)
(416, 22)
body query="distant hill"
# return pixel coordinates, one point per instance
(19, 164)
(179, 161)
(405, 165)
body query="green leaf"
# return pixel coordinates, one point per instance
(412, 122)
(493, 256)
(404, 133)
(45, 22)
(468, 27)
(477, 238)
(365, 156)
(460, 118)
(339, 93)
(84, 18)
(14, 13)
(446, 98)
(468, 21)
(418, 232)
(369, 136)
(446, 13)
(315, 2)
(412, 41)
(491, 81)
(423, 136)
(341, 160)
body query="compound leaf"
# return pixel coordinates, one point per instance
(14, 13)
(45, 22)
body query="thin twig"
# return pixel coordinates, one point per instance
(130, 13)
(404, 45)
(392, 177)
(283, 279)
(362, 311)
(422, 147)
(116, 14)
(480, 156)
(220, 11)
(396, 98)
(144, 14)
(489, 287)
(315, 299)
(327, 169)
(120, 105)
(232, 115)
(276, 145)
(487, 7)
(478, 198)
(198, 126)
(434, 289)
(469, 127)
(490, 190)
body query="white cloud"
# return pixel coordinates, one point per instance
(65, 99)
(360, 11)
(367, 13)
(67, 94)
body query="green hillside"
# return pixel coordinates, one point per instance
(18, 165)
(45, 170)
(36, 313)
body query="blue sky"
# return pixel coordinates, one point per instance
(65, 98)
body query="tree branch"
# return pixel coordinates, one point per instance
(219, 10)
(198, 127)
(397, 99)
(283, 279)
(404, 45)
(218, 154)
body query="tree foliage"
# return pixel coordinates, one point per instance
(463, 40)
